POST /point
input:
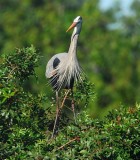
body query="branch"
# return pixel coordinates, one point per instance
(64, 99)
(74, 139)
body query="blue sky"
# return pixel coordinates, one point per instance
(105, 4)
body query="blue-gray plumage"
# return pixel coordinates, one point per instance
(63, 68)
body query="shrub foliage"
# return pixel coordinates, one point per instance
(25, 122)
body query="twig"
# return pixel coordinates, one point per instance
(74, 139)
(58, 112)
(64, 99)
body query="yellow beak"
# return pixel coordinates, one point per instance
(72, 26)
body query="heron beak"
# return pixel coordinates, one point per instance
(72, 26)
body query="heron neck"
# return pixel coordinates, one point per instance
(73, 45)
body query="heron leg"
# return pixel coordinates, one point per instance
(73, 107)
(55, 128)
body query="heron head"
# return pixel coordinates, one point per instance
(76, 23)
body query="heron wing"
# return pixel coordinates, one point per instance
(53, 63)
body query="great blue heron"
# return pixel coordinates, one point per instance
(63, 68)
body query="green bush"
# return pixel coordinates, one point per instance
(26, 123)
(117, 137)
(23, 118)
